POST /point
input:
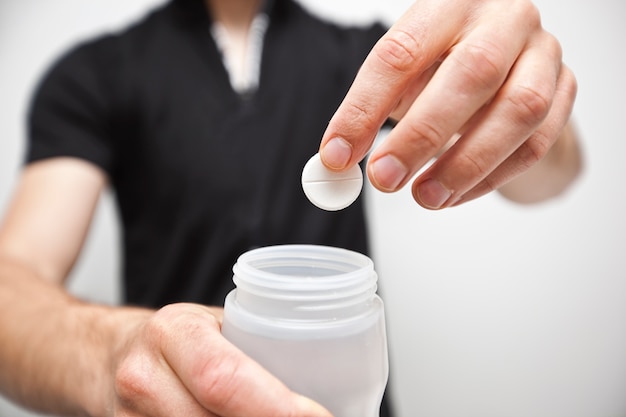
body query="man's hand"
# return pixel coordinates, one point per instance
(178, 364)
(485, 69)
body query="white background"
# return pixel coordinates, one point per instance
(493, 309)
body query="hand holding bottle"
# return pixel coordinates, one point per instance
(177, 363)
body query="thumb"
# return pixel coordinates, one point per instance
(221, 378)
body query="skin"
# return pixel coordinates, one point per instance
(65, 356)
(486, 70)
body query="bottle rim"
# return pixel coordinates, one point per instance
(304, 269)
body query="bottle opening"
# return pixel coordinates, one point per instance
(305, 271)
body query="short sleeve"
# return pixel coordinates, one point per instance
(70, 111)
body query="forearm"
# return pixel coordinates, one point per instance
(550, 176)
(56, 350)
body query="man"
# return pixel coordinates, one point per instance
(204, 158)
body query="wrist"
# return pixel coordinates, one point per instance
(114, 328)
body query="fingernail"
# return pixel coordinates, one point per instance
(388, 172)
(432, 194)
(337, 153)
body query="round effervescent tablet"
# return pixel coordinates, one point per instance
(330, 190)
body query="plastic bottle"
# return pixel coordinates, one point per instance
(310, 315)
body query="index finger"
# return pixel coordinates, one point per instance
(405, 51)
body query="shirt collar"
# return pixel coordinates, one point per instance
(196, 11)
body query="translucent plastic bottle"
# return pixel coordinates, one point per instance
(310, 315)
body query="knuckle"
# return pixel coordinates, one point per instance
(398, 50)
(360, 117)
(482, 63)
(157, 329)
(489, 184)
(534, 149)
(473, 166)
(132, 380)
(172, 320)
(568, 83)
(523, 13)
(424, 136)
(218, 379)
(485, 186)
(553, 44)
(530, 104)
(530, 13)
(550, 47)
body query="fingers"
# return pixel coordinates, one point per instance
(222, 380)
(536, 147)
(147, 387)
(179, 364)
(514, 114)
(412, 92)
(466, 80)
(485, 69)
(145, 384)
(401, 56)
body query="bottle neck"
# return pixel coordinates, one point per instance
(305, 282)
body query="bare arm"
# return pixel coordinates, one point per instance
(64, 356)
(56, 349)
(52, 348)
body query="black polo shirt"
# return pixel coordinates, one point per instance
(202, 174)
